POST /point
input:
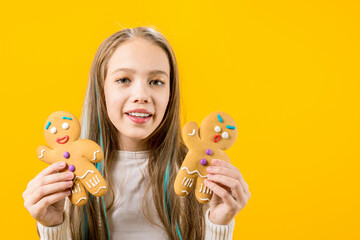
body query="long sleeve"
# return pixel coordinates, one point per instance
(58, 232)
(218, 232)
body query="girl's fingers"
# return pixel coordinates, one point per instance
(221, 192)
(49, 189)
(233, 184)
(227, 169)
(47, 176)
(40, 206)
(53, 168)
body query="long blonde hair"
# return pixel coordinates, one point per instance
(164, 144)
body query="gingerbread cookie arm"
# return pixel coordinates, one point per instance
(191, 134)
(91, 150)
(46, 154)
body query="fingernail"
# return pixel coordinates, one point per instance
(61, 164)
(215, 161)
(209, 169)
(69, 175)
(206, 181)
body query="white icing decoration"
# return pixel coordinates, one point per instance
(225, 135)
(65, 125)
(205, 190)
(53, 130)
(99, 189)
(42, 153)
(84, 174)
(83, 198)
(192, 180)
(204, 199)
(97, 178)
(185, 191)
(72, 191)
(217, 129)
(183, 180)
(193, 132)
(95, 154)
(194, 172)
(92, 183)
(186, 183)
(79, 187)
(88, 185)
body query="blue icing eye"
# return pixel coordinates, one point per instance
(230, 127)
(68, 118)
(220, 118)
(48, 125)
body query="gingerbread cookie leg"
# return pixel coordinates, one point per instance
(78, 193)
(184, 182)
(92, 181)
(202, 192)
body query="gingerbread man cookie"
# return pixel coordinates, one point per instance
(217, 133)
(62, 132)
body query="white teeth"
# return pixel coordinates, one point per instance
(135, 114)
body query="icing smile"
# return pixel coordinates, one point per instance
(216, 138)
(62, 140)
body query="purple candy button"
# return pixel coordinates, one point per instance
(66, 155)
(71, 168)
(203, 161)
(208, 152)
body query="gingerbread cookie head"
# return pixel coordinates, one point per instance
(218, 128)
(61, 128)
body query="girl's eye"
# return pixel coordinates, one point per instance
(123, 80)
(156, 82)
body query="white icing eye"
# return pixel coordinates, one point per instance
(225, 135)
(217, 129)
(65, 125)
(53, 130)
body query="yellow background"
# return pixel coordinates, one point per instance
(287, 71)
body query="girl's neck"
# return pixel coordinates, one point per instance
(130, 144)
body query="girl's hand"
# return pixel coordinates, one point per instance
(45, 194)
(231, 192)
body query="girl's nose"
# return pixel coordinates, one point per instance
(140, 93)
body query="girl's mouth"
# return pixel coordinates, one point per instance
(138, 117)
(62, 140)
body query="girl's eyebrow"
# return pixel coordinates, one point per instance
(134, 71)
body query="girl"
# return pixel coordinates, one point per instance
(132, 110)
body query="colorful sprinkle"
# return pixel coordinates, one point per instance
(66, 155)
(220, 118)
(68, 118)
(203, 161)
(71, 168)
(230, 127)
(48, 125)
(208, 152)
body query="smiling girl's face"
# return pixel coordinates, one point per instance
(137, 90)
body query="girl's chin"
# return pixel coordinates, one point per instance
(135, 136)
